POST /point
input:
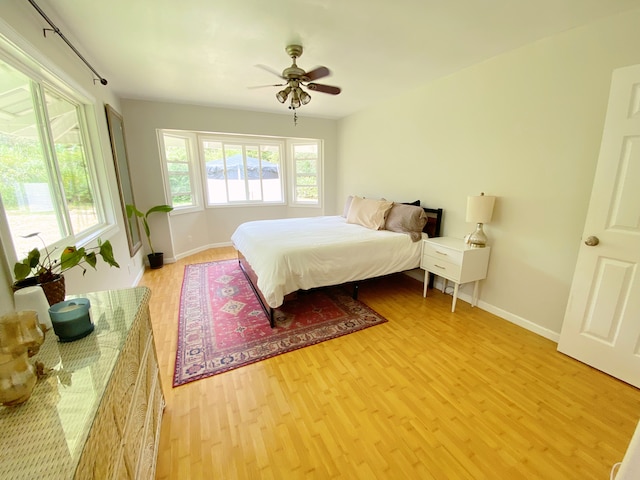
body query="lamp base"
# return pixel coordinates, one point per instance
(478, 239)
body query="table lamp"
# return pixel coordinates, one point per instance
(479, 211)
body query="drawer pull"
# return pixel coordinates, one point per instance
(438, 266)
(440, 253)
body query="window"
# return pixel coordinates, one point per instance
(240, 169)
(48, 182)
(306, 178)
(180, 174)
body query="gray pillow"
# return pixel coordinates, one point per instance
(406, 219)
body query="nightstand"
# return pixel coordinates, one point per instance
(452, 259)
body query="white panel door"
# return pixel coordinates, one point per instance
(602, 321)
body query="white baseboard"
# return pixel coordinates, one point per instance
(521, 322)
(136, 280)
(198, 250)
(418, 274)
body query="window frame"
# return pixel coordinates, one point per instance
(291, 144)
(43, 75)
(90, 160)
(195, 173)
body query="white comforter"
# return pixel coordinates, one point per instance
(303, 253)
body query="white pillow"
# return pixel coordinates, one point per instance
(347, 206)
(368, 212)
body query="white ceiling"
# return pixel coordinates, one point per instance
(205, 51)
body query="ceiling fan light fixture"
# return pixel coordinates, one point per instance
(304, 97)
(295, 97)
(283, 94)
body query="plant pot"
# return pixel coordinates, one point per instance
(55, 290)
(156, 260)
(27, 282)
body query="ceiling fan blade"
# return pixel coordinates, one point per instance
(318, 87)
(316, 73)
(264, 86)
(270, 70)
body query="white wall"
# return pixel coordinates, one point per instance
(20, 21)
(524, 126)
(181, 234)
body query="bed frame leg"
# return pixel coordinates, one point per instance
(272, 317)
(356, 287)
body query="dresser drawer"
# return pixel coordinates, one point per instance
(447, 254)
(442, 268)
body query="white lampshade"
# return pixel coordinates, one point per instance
(480, 208)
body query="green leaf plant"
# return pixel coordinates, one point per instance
(132, 210)
(45, 267)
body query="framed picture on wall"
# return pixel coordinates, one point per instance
(119, 149)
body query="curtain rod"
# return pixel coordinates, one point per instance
(55, 29)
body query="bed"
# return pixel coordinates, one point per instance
(282, 256)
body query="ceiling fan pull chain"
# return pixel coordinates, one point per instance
(295, 118)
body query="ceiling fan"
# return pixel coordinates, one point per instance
(295, 78)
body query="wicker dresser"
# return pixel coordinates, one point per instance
(97, 413)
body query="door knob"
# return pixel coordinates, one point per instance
(592, 241)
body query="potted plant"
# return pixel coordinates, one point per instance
(47, 270)
(156, 259)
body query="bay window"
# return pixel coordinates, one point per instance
(240, 169)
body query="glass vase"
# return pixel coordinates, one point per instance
(21, 329)
(17, 377)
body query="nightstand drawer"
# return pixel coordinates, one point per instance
(447, 254)
(443, 268)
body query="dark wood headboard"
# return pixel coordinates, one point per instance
(434, 221)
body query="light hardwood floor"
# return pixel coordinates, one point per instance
(429, 395)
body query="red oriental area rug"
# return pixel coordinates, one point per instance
(222, 326)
